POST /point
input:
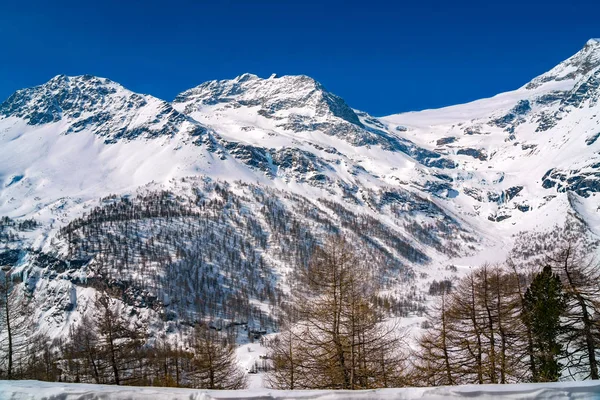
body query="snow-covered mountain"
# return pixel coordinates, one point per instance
(527, 155)
(203, 208)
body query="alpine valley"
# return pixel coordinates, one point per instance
(204, 208)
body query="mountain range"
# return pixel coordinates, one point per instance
(204, 208)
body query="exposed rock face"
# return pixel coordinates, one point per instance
(475, 153)
(514, 116)
(581, 182)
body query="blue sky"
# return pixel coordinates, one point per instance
(381, 56)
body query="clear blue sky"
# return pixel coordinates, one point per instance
(381, 56)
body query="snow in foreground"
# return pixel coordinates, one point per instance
(69, 391)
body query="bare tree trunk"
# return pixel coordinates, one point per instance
(585, 318)
(444, 334)
(113, 358)
(476, 331)
(501, 329)
(490, 325)
(7, 312)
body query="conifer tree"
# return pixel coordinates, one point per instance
(570, 251)
(82, 353)
(434, 360)
(580, 277)
(544, 305)
(287, 357)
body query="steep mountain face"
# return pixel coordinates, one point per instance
(219, 251)
(207, 207)
(278, 109)
(287, 95)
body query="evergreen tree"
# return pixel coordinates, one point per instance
(544, 305)
(570, 250)
(580, 276)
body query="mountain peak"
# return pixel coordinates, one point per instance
(246, 77)
(274, 95)
(574, 68)
(77, 80)
(60, 96)
(59, 79)
(593, 42)
(99, 105)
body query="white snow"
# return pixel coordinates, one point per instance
(33, 390)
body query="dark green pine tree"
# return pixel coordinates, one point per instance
(544, 304)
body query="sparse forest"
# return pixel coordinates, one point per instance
(534, 318)
(211, 254)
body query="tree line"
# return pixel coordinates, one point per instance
(219, 246)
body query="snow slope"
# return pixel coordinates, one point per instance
(31, 390)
